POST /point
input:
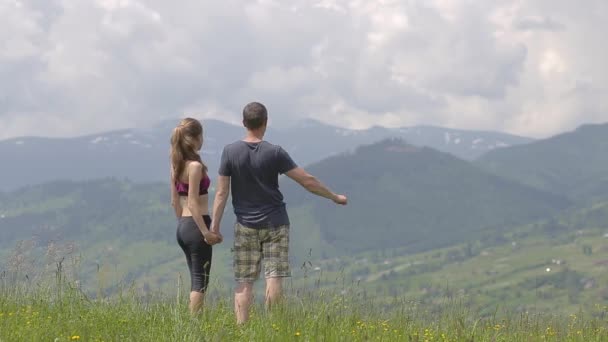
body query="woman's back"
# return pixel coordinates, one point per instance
(182, 187)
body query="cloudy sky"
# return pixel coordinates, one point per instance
(532, 67)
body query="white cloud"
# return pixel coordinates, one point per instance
(528, 67)
(552, 63)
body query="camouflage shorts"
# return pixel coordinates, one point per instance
(252, 245)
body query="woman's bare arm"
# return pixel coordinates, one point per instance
(195, 174)
(177, 206)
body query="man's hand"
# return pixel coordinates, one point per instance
(212, 238)
(341, 200)
(219, 203)
(215, 228)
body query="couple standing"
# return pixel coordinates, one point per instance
(250, 168)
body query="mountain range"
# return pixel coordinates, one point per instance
(403, 195)
(141, 154)
(572, 164)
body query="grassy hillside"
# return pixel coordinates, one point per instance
(545, 281)
(553, 265)
(505, 270)
(574, 164)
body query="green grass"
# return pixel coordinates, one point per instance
(62, 313)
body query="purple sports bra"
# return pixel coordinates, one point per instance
(203, 188)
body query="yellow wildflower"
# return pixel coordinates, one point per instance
(75, 337)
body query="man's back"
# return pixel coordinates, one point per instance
(254, 168)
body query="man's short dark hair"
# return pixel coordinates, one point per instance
(255, 115)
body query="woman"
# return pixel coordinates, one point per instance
(189, 198)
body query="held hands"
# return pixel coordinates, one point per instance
(341, 200)
(215, 228)
(213, 238)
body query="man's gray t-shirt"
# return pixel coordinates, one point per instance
(254, 169)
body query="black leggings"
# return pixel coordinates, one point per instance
(198, 252)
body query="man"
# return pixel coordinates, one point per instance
(252, 167)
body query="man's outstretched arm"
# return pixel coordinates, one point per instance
(312, 184)
(219, 203)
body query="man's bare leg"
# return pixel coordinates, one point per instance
(242, 301)
(274, 291)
